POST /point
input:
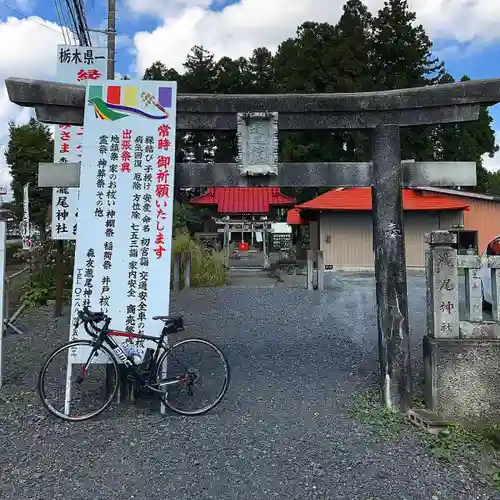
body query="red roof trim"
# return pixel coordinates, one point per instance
(245, 200)
(293, 217)
(360, 199)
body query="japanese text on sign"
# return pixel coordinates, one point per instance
(127, 178)
(77, 65)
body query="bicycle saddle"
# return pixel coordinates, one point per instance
(175, 320)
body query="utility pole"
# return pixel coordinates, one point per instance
(111, 33)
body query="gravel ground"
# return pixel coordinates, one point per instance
(283, 431)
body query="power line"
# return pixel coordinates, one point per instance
(76, 11)
(31, 18)
(61, 20)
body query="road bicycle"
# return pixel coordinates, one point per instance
(96, 361)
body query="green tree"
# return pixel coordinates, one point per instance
(353, 52)
(401, 49)
(402, 58)
(326, 58)
(30, 144)
(200, 76)
(258, 74)
(468, 142)
(304, 63)
(493, 183)
(158, 71)
(200, 71)
(359, 53)
(231, 76)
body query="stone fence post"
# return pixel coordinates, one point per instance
(473, 296)
(180, 259)
(315, 259)
(442, 285)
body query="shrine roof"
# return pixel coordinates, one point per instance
(360, 199)
(244, 200)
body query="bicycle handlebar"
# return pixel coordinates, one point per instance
(89, 319)
(88, 316)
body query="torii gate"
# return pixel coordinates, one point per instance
(257, 119)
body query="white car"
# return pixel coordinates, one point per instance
(485, 272)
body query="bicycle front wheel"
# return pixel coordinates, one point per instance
(74, 383)
(195, 374)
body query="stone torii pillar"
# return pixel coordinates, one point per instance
(257, 119)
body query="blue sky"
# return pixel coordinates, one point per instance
(466, 36)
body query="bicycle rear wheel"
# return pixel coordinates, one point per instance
(74, 384)
(195, 374)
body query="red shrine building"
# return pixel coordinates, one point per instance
(247, 205)
(341, 224)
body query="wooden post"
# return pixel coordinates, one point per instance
(6, 301)
(60, 272)
(187, 270)
(310, 269)
(390, 268)
(226, 244)
(321, 271)
(177, 269)
(265, 247)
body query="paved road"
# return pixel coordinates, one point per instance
(283, 432)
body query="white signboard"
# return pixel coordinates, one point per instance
(124, 238)
(79, 65)
(25, 225)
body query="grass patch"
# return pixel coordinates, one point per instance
(477, 448)
(367, 410)
(207, 267)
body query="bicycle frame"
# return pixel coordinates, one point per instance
(105, 335)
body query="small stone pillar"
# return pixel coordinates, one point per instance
(227, 250)
(442, 285)
(265, 247)
(316, 259)
(494, 265)
(473, 296)
(181, 262)
(321, 271)
(177, 272)
(187, 270)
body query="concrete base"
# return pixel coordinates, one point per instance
(462, 378)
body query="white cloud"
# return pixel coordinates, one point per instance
(492, 164)
(30, 53)
(163, 8)
(239, 28)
